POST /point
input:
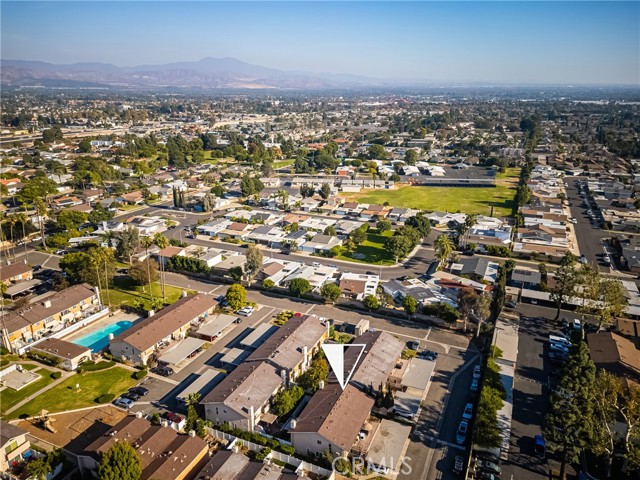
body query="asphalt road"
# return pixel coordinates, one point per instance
(589, 237)
(531, 390)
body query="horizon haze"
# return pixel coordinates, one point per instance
(459, 42)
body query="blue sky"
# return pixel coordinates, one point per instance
(516, 42)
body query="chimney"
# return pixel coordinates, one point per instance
(138, 414)
(192, 433)
(252, 419)
(47, 304)
(294, 423)
(321, 385)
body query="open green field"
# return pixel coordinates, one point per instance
(283, 163)
(124, 292)
(64, 396)
(450, 199)
(372, 250)
(9, 397)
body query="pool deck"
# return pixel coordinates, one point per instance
(103, 322)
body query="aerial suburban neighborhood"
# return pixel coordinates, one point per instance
(209, 273)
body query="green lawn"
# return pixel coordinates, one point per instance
(124, 292)
(64, 396)
(451, 199)
(283, 163)
(10, 397)
(372, 249)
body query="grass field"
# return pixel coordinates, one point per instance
(283, 163)
(372, 249)
(451, 199)
(124, 292)
(92, 384)
(9, 397)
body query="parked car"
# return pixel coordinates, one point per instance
(458, 465)
(172, 417)
(123, 402)
(557, 347)
(163, 371)
(474, 385)
(486, 476)
(429, 355)
(61, 251)
(539, 445)
(511, 304)
(246, 311)
(488, 467)
(140, 390)
(413, 344)
(133, 396)
(461, 434)
(476, 371)
(468, 411)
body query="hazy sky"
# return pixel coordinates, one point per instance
(528, 42)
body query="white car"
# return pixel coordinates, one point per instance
(123, 402)
(246, 311)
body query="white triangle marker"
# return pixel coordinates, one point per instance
(334, 352)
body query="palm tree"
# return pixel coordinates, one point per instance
(41, 212)
(146, 242)
(283, 196)
(444, 247)
(161, 242)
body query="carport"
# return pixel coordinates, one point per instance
(22, 287)
(258, 336)
(216, 328)
(181, 351)
(234, 357)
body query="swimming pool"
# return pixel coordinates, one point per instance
(99, 339)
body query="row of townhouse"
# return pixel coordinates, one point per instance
(617, 200)
(242, 399)
(143, 342)
(38, 320)
(545, 222)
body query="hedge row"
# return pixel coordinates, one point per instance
(91, 366)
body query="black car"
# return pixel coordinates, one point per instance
(142, 391)
(133, 396)
(163, 371)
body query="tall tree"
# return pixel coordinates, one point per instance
(161, 242)
(410, 305)
(146, 242)
(41, 212)
(128, 244)
(325, 190)
(254, 261)
(120, 462)
(482, 310)
(565, 283)
(331, 292)
(236, 296)
(467, 299)
(569, 423)
(444, 247)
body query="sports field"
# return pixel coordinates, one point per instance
(450, 199)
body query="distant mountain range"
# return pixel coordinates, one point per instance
(207, 73)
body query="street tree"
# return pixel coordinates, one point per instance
(371, 302)
(120, 462)
(420, 223)
(444, 247)
(325, 190)
(253, 264)
(467, 299)
(143, 272)
(299, 286)
(236, 296)
(41, 212)
(330, 292)
(410, 305)
(566, 281)
(397, 246)
(383, 226)
(161, 242)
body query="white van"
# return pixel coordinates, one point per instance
(560, 340)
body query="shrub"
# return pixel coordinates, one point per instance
(286, 449)
(262, 454)
(105, 398)
(56, 375)
(44, 358)
(140, 374)
(92, 366)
